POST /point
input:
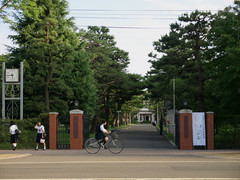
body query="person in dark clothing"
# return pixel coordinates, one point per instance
(101, 131)
(161, 126)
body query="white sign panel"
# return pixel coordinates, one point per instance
(198, 129)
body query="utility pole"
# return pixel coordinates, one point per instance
(174, 106)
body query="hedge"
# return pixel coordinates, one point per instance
(27, 137)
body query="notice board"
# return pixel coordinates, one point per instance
(198, 129)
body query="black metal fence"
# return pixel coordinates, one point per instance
(86, 121)
(63, 132)
(227, 136)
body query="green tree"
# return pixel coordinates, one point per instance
(7, 4)
(131, 107)
(225, 65)
(50, 46)
(109, 64)
(184, 58)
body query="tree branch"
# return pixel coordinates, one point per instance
(5, 4)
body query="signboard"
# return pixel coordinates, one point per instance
(198, 129)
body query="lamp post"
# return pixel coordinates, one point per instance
(76, 103)
(185, 103)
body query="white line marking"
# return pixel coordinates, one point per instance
(112, 162)
(16, 156)
(131, 179)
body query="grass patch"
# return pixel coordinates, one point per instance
(170, 136)
(63, 135)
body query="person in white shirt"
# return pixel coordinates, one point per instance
(40, 135)
(14, 134)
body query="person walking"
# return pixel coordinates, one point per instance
(14, 131)
(40, 135)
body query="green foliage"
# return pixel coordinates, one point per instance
(27, 138)
(202, 53)
(227, 137)
(184, 58)
(170, 136)
(225, 65)
(8, 4)
(108, 62)
(56, 68)
(132, 107)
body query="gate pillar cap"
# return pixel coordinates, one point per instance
(53, 112)
(210, 112)
(76, 111)
(185, 111)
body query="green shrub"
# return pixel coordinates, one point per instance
(27, 137)
(227, 137)
(135, 121)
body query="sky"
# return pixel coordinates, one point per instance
(135, 24)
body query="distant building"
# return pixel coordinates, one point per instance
(145, 114)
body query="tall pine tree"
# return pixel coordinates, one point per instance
(50, 47)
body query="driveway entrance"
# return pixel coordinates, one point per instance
(144, 136)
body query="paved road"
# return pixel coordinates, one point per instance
(144, 136)
(146, 156)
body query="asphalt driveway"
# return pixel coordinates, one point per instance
(144, 136)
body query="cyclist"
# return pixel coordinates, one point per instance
(101, 131)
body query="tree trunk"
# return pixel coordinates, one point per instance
(200, 76)
(47, 83)
(4, 5)
(114, 120)
(49, 77)
(107, 110)
(107, 116)
(95, 122)
(127, 118)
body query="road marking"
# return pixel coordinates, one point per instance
(12, 156)
(112, 162)
(133, 179)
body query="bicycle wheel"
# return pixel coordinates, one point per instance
(116, 146)
(92, 146)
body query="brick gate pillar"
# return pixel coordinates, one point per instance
(53, 130)
(185, 128)
(210, 130)
(76, 129)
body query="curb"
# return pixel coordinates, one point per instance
(170, 141)
(168, 138)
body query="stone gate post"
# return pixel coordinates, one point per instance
(76, 129)
(210, 130)
(185, 128)
(53, 130)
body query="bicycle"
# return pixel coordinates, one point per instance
(115, 146)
